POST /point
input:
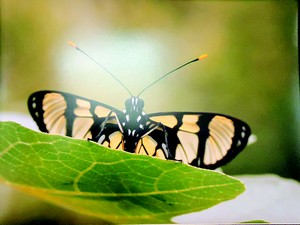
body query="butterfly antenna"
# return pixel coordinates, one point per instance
(72, 44)
(194, 60)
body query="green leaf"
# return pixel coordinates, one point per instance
(255, 221)
(113, 185)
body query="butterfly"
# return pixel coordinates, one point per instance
(205, 140)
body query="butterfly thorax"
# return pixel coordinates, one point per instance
(132, 122)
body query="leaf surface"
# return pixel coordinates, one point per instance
(113, 185)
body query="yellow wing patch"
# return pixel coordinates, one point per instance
(189, 144)
(146, 146)
(189, 123)
(81, 127)
(180, 154)
(116, 141)
(54, 107)
(220, 139)
(83, 108)
(101, 111)
(167, 120)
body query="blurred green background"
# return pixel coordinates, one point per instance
(251, 72)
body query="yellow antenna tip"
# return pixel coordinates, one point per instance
(202, 56)
(71, 43)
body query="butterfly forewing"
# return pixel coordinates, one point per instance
(205, 140)
(67, 114)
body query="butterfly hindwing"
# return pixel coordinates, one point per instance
(111, 136)
(205, 140)
(154, 144)
(66, 114)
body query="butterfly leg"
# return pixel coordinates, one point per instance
(165, 146)
(102, 127)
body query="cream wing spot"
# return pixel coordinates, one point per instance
(223, 123)
(149, 144)
(52, 100)
(115, 139)
(101, 111)
(208, 154)
(190, 143)
(59, 126)
(160, 154)
(106, 144)
(54, 106)
(222, 144)
(224, 131)
(180, 154)
(51, 109)
(81, 126)
(190, 118)
(221, 131)
(53, 119)
(53, 103)
(83, 108)
(190, 123)
(169, 120)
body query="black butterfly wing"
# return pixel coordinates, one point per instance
(205, 140)
(67, 114)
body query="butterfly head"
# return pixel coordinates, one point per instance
(134, 104)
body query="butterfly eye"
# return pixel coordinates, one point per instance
(128, 104)
(140, 104)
